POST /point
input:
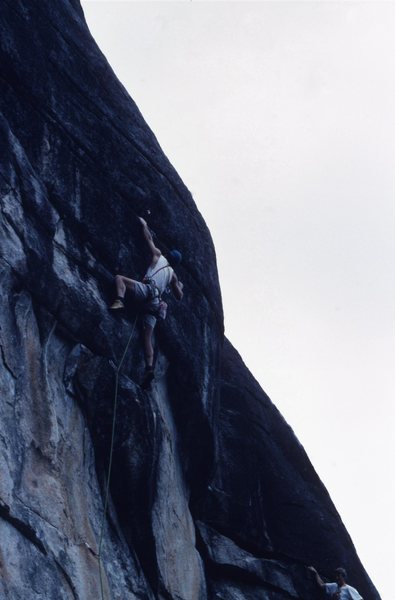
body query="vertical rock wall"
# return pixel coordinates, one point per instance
(211, 494)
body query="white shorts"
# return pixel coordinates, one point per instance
(142, 293)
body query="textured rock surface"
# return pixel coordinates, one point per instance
(211, 495)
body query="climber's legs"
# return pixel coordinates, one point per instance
(122, 284)
(141, 292)
(148, 346)
(148, 355)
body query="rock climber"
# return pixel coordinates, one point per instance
(159, 276)
(339, 590)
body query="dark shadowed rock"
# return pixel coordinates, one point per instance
(211, 494)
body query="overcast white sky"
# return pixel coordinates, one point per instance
(279, 117)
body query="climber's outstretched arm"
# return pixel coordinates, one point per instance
(148, 236)
(317, 577)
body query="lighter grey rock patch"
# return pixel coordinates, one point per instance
(179, 562)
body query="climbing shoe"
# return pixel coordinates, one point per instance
(118, 304)
(148, 377)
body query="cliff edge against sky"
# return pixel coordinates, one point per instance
(211, 494)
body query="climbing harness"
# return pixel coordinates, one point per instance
(117, 371)
(156, 306)
(158, 311)
(150, 281)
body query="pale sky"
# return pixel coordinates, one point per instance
(279, 117)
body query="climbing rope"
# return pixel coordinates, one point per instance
(118, 369)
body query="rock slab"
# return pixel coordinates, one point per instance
(211, 494)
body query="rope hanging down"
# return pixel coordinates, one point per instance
(118, 369)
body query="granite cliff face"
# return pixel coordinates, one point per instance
(211, 494)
